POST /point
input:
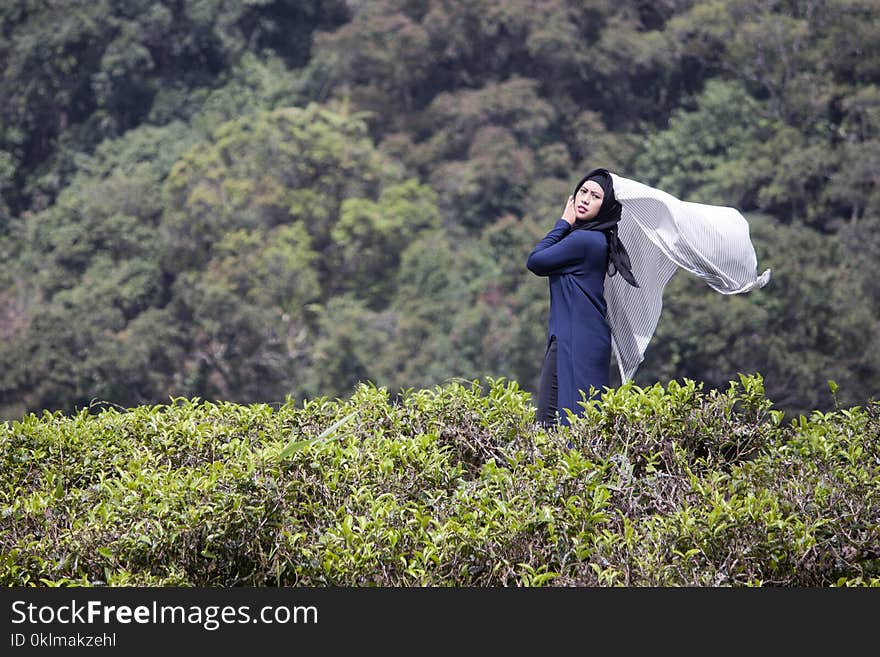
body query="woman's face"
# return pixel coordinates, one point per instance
(588, 201)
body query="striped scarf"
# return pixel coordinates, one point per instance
(663, 234)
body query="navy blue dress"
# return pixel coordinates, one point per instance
(575, 262)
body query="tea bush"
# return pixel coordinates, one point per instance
(453, 486)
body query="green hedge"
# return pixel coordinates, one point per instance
(455, 486)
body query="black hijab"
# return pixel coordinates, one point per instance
(606, 221)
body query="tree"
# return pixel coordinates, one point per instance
(247, 315)
(84, 270)
(353, 344)
(267, 169)
(78, 72)
(370, 236)
(713, 154)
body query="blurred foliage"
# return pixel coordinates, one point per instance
(252, 200)
(79, 71)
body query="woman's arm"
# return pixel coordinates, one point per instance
(552, 253)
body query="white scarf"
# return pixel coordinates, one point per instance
(661, 234)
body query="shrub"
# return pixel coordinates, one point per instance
(453, 486)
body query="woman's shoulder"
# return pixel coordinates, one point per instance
(591, 236)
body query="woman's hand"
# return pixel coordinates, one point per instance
(568, 213)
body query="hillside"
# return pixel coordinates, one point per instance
(253, 200)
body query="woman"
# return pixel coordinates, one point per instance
(591, 309)
(576, 255)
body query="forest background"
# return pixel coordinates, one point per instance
(250, 201)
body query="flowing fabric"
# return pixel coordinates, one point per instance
(662, 234)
